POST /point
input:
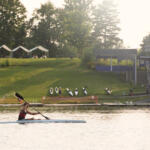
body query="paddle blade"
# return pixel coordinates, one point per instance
(19, 96)
(46, 118)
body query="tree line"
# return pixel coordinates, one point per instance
(70, 31)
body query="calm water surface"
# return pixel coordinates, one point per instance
(127, 130)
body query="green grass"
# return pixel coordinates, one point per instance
(33, 78)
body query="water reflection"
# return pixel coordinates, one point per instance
(126, 130)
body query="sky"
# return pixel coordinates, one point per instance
(133, 14)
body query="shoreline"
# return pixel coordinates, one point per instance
(106, 107)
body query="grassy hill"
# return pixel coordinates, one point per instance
(33, 77)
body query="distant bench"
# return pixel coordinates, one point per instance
(9, 101)
(70, 100)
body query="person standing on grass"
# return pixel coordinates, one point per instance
(24, 111)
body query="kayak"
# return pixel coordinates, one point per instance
(42, 121)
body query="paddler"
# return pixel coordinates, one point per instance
(24, 111)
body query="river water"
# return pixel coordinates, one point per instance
(125, 130)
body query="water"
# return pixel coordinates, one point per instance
(126, 130)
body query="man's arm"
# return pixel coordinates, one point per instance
(31, 113)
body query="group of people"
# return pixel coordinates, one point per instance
(36, 56)
(58, 91)
(76, 92)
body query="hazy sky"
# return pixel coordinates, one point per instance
(134, 18)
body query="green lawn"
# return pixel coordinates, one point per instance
(33, 77)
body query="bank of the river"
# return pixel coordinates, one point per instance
(77, 107)
(34, 77)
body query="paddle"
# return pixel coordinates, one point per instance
(22, 98)
(42, 114)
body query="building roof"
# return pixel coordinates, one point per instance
(6, 48)
(116, 53)
(40, 48)
(147, 58)
(21, 47)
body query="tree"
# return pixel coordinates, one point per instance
(105, 25)
(145, 46)
(45, 28)
(12, 22)
(76, 23)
